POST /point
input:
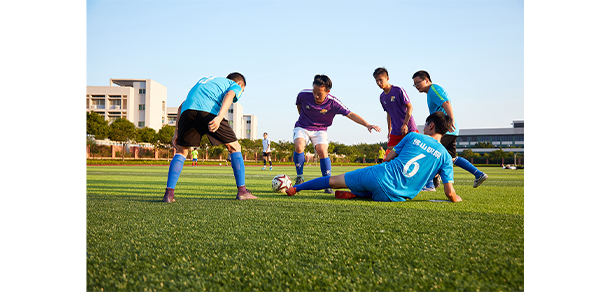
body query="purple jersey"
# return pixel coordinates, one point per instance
(395, 104)
(318, 117)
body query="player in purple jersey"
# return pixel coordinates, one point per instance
(317, 109)
(398, 108)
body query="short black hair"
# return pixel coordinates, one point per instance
(380, 70)
(236, 76)
(322, 80)
(422, 75)
(442, 122)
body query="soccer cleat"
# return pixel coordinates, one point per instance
(328, 191)
(344, 195)
(263, 168)
(270, 167)
(291, 191)
(480, 180)
(437, 181)
(425, 189)
(245, 195)
(299, 180)
(169, 196)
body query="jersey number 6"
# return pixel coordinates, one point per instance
(413, 162)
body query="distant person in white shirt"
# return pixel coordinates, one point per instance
(266, 150)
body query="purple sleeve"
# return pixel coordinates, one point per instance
(404, 96)
(299, 99)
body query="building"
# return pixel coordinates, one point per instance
(244, 126)
(141, 101)
(498, 137)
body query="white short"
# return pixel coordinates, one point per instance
(316, 137)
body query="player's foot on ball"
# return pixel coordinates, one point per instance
(245, 195)
(437, 181)
(328, 191)
(480, 180)
(291, 191)
(299, 180)
(344, 195)
(169, 196)
(425, 189)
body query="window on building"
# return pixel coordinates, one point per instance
(230, 110)
(114, 96)
(141, 107)
(519, 138)
(140, 124)
(248, 122)
(142, 91)
(231, 123)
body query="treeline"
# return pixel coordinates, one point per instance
(124, 131)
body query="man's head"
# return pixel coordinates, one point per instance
(381, 77)
(238, 78)
(437, 123)
(422, 81)
(265, 135)
(321, 87)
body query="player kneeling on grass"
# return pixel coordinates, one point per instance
(202, 114)
(412, 163)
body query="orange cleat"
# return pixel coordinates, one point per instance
(291, 191)
(344, 195)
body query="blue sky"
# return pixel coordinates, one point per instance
(474, 49)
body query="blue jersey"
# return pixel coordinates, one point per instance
(419, 159)
(209, 92)
(436, 97)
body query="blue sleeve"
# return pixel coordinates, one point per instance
(237, 89)
(446, 170)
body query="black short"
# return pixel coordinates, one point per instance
(449, 142)
(265, 154)
(193, 124)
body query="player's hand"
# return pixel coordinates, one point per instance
(371, 127)
(404, 129)
(214, 124)
(452, 128)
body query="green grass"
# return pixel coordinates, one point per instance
(208, 241)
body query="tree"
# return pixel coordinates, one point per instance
(164, 138)
(97, 126)
(496, 155)
(122, 130)
(469, 154)
(146, 134)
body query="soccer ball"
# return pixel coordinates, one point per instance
(281, 183)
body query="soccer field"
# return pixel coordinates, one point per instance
(207, 240)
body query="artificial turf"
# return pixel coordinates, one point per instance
(208, 241)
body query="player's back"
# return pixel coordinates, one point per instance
(208, 93)
(420, 158)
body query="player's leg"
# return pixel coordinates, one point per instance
(264, 161)
(186, 138)
(300, 138)
(270, 163)
(449, 141)
(320, 183)
(320, 141)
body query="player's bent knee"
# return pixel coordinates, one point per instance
(233, 147)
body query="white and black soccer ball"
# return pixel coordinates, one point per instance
(281, 183)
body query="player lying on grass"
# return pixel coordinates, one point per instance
(412, 163)
(202, 113)
(317, 109)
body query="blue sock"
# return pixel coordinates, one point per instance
(466, 165)
(299, 160)
(315, 184)
(239, 171)
(325, 166)
(430, 184)
(175, 168)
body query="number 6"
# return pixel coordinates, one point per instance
(405, 170)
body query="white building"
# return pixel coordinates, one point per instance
(141, 101)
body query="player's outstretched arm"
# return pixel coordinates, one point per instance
(450, 193)
(358, 119)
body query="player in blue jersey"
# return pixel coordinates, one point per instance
(317, 109)
(438, 100)
(412, 163)
(202, 113)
